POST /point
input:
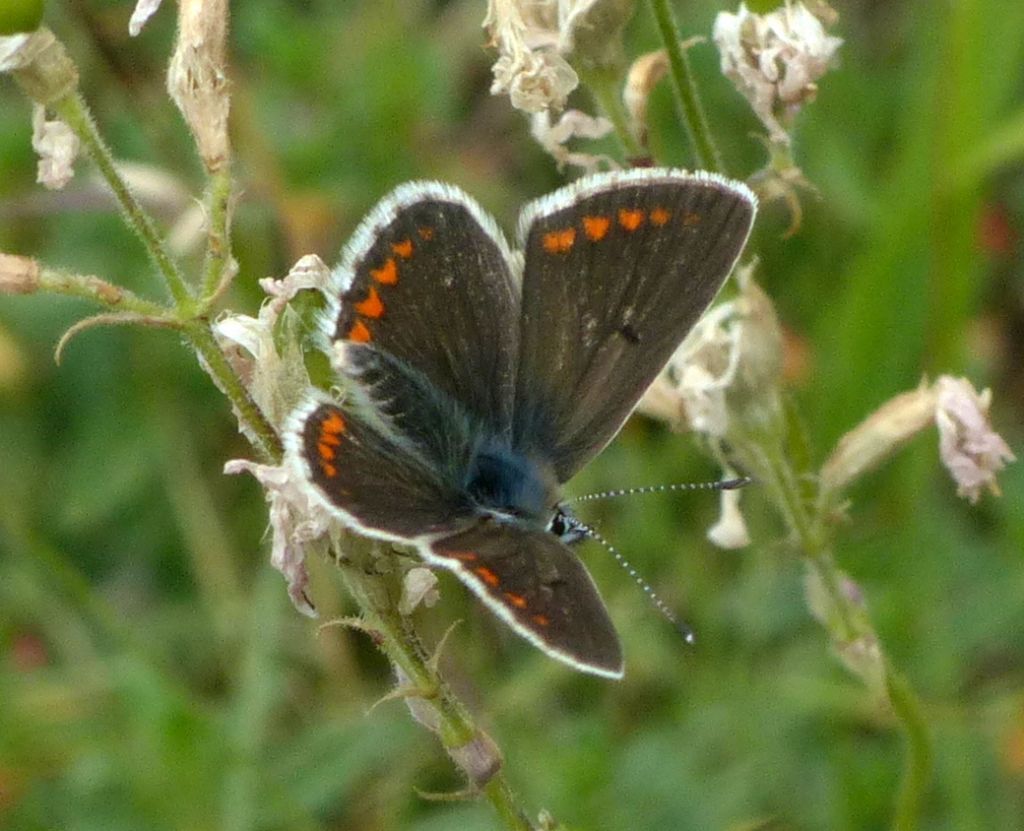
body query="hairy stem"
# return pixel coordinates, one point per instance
(218, 244)
(691, 111)
(266, 441)
(396, 638)
(74, 112)
(87, 287)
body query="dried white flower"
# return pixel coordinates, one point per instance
(533, 38)
(57, 147)
(418, 586)
(690, 392)
(970, 449)
(273, 369)
(296, 519)
(775, 59)
(571, 124)
(144, 10)
(728, 366)
(309, 272)
(534, 78)
(730, 531)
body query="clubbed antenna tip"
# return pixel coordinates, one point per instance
(685, 631)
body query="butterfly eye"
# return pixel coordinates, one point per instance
(558, 525)
(566, 527)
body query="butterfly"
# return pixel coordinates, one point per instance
(478, 378)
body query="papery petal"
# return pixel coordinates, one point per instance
(571, 124)
(57, 147)
(418, 586)
(968, 446)
(144, 10)
(295, 519)
(730, 531)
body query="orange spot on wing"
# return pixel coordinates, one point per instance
(372, 306)
(488, 576)
(540, 620)
(465, 556)
(329, 470)
(325, 450)
(387, 274)
(691, 219)
(559, 242)
(403, 249)
(596, 227)
(630, 220)
(359, 332)
(334, 423)
(659, 216)
(516, 600)
(425, 233)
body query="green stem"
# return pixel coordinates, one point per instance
(402, 646)
(74, 112)
(87, 287)
(918, 761)
(604, 86)
(763, 452)
(267, 442)
(685, 88)
(218, 245)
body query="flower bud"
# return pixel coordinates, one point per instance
(197, 77)
(18, 275)
(878, 437)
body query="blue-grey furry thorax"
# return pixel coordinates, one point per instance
(506, 482)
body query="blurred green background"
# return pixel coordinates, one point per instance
(152, 672)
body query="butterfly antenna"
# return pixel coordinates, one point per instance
(720, 485)
(659, 604)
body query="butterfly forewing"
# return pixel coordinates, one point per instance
(617, 270)
(429, 278)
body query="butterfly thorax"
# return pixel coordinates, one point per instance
(503, 482)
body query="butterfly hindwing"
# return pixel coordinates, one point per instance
(539, 587)
(390, 455)
(617, 269)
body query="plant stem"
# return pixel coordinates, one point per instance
(87, 287)
(764, 454)
(685, 88)
(74, 112)
(218, 244)
(396, 638)
(604, 85)
(263, 434)
(918, 761)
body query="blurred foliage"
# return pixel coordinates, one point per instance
(152, 672)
